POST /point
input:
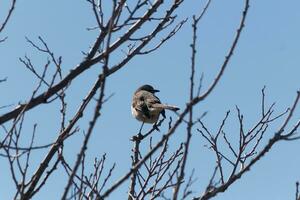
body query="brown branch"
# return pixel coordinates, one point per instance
(54, 148)
(100, 80)
(3, 80)
(289, 116)
(2, 40)
(227, 58)
(190, 122)
(297, 191)
(47, 176)
(96, 112)
(13, 2)
(87, 63)
(171, 34)
(137, 139)
(131, 30)
(213, 140)
(86, 139)
(185, 111)
(187, 191)
(90, 61)
(135, 159)
(278, 136)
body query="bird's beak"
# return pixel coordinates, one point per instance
(155, 91)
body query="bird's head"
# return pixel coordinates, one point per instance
(147, 88)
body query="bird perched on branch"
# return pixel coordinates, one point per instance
(146, 107)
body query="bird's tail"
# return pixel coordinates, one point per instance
(165, 106)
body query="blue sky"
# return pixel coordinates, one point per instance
(267, 55)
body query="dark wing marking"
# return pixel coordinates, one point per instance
(145, 110)
(163, 112)
(152, 100)
(140, 104)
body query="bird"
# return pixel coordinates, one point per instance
(146, 107)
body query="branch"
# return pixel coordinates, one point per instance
(8, 15)
(184, 113)
(278, 136)
(96, 112)
(227, 58)
(88, 62)
(54, 148)
(297, 191)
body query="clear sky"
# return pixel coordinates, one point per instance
(267, 55)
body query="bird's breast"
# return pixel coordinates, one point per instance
(153, 113)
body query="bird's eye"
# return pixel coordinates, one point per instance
(142, 99)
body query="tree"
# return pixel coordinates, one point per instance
(126, 30)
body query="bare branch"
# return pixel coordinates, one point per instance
(12, 7)
(278, 136)
(297, 191)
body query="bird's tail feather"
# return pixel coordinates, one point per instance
(165, 106)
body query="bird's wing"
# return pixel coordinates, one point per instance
(144, 108)
(139, 104)
(151, 100)
(154, 102)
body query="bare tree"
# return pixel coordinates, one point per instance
(156, 170)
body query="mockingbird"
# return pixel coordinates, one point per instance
(146, 107)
